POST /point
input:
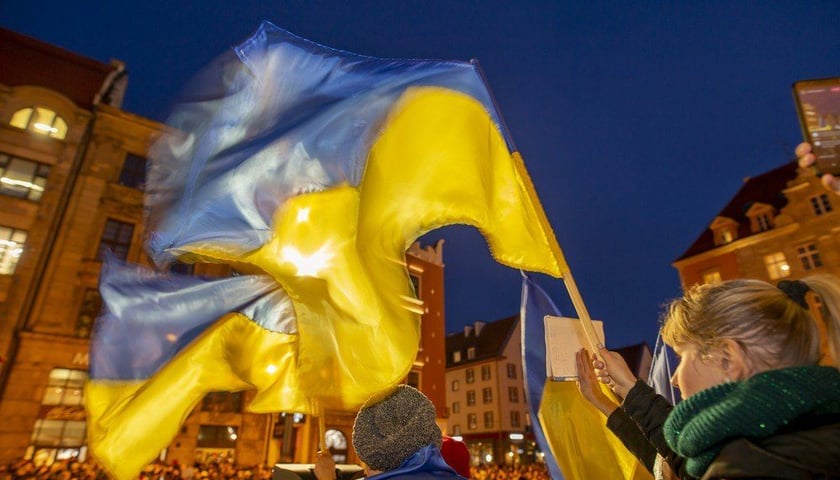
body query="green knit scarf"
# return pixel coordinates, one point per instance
(755, 408)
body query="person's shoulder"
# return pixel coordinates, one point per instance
(801, 453)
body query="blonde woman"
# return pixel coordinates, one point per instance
(758, 404)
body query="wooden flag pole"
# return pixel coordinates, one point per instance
(583, 313)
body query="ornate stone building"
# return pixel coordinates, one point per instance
(780, 224)
(72, 169)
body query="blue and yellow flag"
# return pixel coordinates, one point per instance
(310, 171)
(570, 431)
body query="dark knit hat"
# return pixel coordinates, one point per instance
(392, 427)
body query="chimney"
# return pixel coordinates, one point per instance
(478, 326)
(468, 330)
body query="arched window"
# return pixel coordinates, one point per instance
(337, 444)
(40, 120)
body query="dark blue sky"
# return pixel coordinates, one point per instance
(637, 120)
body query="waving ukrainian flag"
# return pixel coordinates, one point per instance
(310, 171)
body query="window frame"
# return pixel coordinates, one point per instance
(123, 247)
(809, 256)
(774, 263)
(12, 247)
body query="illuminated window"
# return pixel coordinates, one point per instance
(60, 433)
(133, 173)
(511, 370)
(337, 444)
(472, 421)
(470, 353)
(470, 372)
(40, 120)
(65, 387)
(11, 248)
(217, 436)
(117, 238)
(711, 276)
(456, 356)
(487, 394)
(456, 407)
(726, 236)
(777, 266)
(514, 419)
(513, 394)
(22, 178)
(809, 255)
(470, 398)
(488, 419)
(455, 385)
(485, 372)
(821, 204)
(91, 305)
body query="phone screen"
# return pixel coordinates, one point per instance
(818, 105)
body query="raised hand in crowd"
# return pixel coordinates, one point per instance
(806, 158)
(588, 383)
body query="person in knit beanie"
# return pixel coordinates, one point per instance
(395, 435)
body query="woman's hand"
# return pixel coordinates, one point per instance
(588, 384)
(612, 370)
(324, 466)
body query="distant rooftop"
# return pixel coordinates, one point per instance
(28, 61)
(765, 188)
(488, 338)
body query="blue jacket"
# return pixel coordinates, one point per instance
(426, 464)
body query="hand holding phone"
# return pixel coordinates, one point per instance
(818, 106)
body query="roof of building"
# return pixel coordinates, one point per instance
(28, 61)
(765, 188)
(490, 342)
(633, 356)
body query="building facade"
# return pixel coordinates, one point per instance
(485, 392)
(780, 224)
(72, 171)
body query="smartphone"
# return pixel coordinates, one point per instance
(818, 106)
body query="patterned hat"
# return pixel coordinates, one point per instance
(392, 427)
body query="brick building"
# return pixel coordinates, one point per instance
(72, 171)
(780, 224)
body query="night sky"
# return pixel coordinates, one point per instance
(637, 120)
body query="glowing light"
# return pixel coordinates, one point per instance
(457, 438)
(16, 252)
(44, 127)
(488, 458)
(21, 183)
(785, 267)
(303, 215)
(270, 369)
(233, 436)
(516, 436)
(171, 337)
(307, 265)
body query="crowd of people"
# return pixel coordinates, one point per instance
(89, 470)
(491, 471)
